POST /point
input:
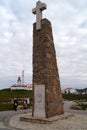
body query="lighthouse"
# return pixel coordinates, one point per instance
(19, 81)
(20, 85)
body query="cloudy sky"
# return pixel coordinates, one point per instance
(69, 24)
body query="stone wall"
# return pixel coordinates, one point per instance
(45, 69)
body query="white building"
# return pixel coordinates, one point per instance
(21, 87)
(70, 90)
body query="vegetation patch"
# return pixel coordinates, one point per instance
(7, 96)
(79, 106)
(75, 97)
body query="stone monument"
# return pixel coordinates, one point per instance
(46, 83)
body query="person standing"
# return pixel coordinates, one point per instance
(15, 104)
(25, 104)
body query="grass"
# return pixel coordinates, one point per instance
(6, 96)
(6, 107)
(76, 97)
(83, 107)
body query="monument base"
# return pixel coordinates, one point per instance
(29, 118)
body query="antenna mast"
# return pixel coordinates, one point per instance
(23, 77)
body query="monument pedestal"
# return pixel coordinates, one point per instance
(29, 118)
(46, 82)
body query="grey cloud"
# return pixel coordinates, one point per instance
(72, 81)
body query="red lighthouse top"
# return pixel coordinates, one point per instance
(19, 78)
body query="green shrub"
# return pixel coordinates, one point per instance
(6, 107)
(72, 97)
(6, 95)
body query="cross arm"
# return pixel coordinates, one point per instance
(34, 10)
(43, 6)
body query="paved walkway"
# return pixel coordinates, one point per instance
(2, 127)
(77, 122)
(5, 117)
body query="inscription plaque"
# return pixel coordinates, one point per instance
(39, 101)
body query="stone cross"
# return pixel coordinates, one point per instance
(38, 11)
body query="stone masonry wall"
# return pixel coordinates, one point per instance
(45, 69)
